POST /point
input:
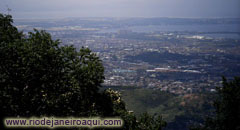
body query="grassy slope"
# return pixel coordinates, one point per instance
(166, 104)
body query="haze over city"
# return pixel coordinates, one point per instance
(149, 64)
(122, 8)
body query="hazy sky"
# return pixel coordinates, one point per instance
(121, 8)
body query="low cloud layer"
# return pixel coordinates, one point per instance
(121, 8)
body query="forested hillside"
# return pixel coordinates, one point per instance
(38, 77)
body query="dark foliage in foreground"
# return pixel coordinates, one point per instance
(227, 107)
(40, 78)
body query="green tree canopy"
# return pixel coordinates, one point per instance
(38, 77)
(227, 107)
